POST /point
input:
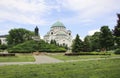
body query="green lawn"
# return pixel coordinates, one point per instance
(18, 58)
(61, 56)
(84, 69)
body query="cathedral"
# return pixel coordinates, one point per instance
(60, 34)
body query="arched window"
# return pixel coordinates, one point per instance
(63, 44)
(69, 33)
(51, 33)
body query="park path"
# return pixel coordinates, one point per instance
(42, 59)
(39, 59)
(46, 59)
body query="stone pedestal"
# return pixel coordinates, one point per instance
(36, 38)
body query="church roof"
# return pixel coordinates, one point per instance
(58, 24)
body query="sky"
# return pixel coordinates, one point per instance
(83, 17)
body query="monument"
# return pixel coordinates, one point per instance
(36, 37)
(36, 31)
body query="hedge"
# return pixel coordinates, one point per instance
(88, 53)
(32, 46)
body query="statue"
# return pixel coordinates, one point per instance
(36, 31)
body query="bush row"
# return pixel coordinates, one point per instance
(88, 53)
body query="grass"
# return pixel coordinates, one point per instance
(108, 68)
(61, 56)
(18, 58)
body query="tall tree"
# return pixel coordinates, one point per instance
(106, 38)
(87, 44)
(19, 35)
(77, 44)
(0, 42)
(116, 31)
(95, 40)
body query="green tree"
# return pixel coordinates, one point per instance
(106, 38)
(0, 42)
(116, 31)
(87, 44)
(53, 42)
(77, 45)
(19, 35)
(95, 41)
(3, 46)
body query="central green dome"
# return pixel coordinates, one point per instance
(58, 24)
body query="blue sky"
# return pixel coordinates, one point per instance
(82, 17)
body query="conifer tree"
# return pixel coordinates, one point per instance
(106, 38)
(77, 44)
(116, 31)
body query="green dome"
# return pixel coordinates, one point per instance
(58, 24)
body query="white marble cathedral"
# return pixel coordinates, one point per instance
(59, 33)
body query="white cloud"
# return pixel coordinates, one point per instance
(2, 32)
(33, 11)
(91, 8)
(40, 12)
(23, 11)
(93, 31)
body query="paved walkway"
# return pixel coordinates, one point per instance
(46, 59)
(41, 59)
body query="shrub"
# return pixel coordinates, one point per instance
(88, 53)
(3, 47)
(32, 46)
(117, 51)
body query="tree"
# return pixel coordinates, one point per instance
(53, 42)
(77, 44)
(87, 44)
(106, 38)
(95, 41)
(116, 31)
(3, 46)
(0, 42)
(19, 35)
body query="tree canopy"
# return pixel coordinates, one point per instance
(77, 45)
(106, 38)
(19, 35)
(96, 41)
(116, 31)
(0, 42)
(87, 44)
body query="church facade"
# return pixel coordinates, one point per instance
(3, 39)
(60, 34)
